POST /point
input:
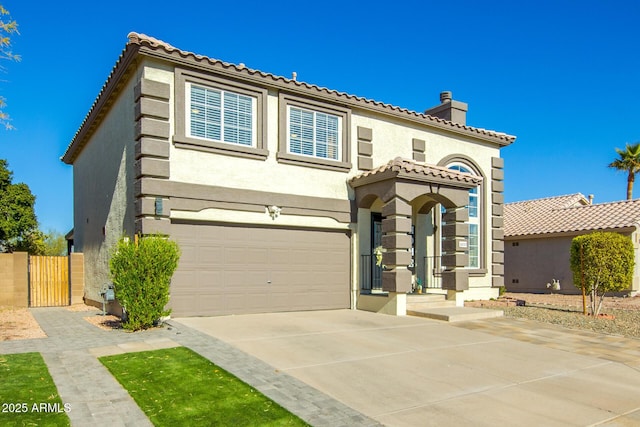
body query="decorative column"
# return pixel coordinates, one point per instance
(454, 249)
(152, 157)
(497, 222)
(396, 226)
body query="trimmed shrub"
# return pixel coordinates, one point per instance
(603, 262)
(141, 275)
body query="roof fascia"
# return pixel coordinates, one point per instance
(376, 177)
(418, 177)
(409, 177)
(112, 87)
(206, 64)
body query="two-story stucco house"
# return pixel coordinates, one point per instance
(284, 195)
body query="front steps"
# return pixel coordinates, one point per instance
(436, 306)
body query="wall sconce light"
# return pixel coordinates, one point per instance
(274, 211)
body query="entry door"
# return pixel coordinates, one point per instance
(376, 240)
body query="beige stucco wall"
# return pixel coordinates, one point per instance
(103, 190)
(535, 262)
(392, 137)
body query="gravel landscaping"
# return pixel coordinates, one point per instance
(566, 310)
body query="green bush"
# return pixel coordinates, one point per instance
(603, 262)
(141, 274)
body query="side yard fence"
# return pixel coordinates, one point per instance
(35, 281)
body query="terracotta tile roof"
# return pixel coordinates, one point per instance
(400, 165)
(571, 213)
(144, 41)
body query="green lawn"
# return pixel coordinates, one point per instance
(28, 395)
(177, 387)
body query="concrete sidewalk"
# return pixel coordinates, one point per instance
(413, 371)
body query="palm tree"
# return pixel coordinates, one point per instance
(628, 161)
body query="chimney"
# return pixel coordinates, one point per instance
(590, 199)
(454, 111)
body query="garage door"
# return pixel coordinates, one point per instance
(235, 270)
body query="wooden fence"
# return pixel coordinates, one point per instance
(15, 275)
(48, 281)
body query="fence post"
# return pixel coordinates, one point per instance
(76, 274)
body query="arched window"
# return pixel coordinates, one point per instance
(474, 217)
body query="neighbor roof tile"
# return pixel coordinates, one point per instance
(570, 213)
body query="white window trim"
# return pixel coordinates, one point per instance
(188, 108)
(315, 112)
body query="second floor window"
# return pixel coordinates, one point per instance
(220, 115)
(313, 133)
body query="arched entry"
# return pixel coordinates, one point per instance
(404, 186)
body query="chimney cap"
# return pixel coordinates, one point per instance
(445, 96)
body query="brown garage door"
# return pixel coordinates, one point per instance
(234, 270)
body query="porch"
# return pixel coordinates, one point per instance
(413, 228)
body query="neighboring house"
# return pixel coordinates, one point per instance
(538, 235)
(279, 192)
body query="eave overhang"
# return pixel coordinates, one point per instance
(411, 171)
(142, 45)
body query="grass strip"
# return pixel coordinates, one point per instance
(28, 395)
(177, 386)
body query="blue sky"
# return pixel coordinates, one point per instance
(563, 76)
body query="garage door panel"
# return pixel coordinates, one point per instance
(235, 256)
(212, 254)
(226, 269)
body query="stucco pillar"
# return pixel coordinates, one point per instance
(152, 167)
(497, 222)
(396, 226)
(76, 274)
(454, 249)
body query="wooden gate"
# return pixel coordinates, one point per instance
(48, 281)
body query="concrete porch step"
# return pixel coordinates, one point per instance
(418, 302)
(455, 314)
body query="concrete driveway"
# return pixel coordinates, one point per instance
(409, 371)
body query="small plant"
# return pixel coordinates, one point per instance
(502, 290)
(141, 273)
(419, 285)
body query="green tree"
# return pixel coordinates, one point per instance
(54, 244)
(141, 273)
(628, 161)
(601, 262)
(18, 223)
(32, 242)
(8, 28)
